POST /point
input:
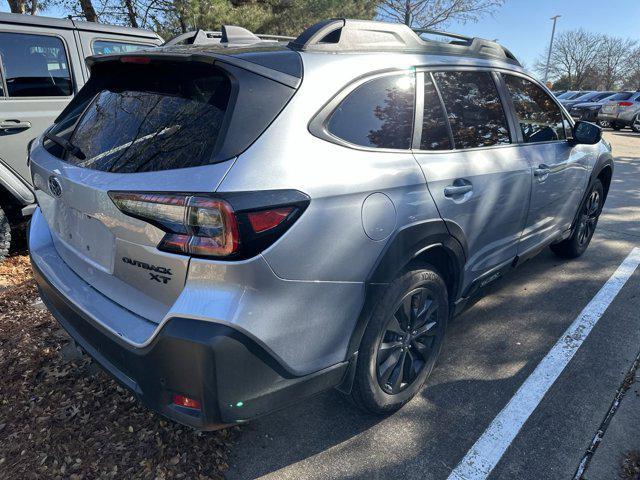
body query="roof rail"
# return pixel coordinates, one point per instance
(343, 35)
(229, 34)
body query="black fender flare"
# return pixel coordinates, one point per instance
(604, 160)
(406, 244)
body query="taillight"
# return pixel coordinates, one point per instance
(625, 104)
(203, 226)
(268, 219)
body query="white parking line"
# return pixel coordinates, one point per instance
(485, 454)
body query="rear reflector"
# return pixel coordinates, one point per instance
(268, 219)
(186, 402)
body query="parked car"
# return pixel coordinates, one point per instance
(622, 113)
(226, 235)
(557, 93)
(571, 94)
(589, 110)
(586, 97)
(42, 68)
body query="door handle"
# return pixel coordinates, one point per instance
(14, 125)
(456, 190)
(542, 171)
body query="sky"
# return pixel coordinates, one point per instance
(523, 26)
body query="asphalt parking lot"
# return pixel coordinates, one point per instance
(490, 350)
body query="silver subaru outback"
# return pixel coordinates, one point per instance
(231, 223)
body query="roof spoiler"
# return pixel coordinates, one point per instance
(229, 35)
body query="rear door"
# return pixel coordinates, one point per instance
(39, 80)
(158, 127)
(559, 169)
(477, 177)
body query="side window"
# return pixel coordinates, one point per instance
(35, 65)
(539, 116)
(102, 47)
(379, 113)
(474, 109)
(435, 132)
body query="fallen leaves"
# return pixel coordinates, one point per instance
(60, 417)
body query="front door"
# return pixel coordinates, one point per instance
(480, 182)
(559, 171)
(37, 84)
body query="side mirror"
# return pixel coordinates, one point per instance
(586, 133)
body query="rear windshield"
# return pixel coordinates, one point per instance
(153, 118)
(620, 96)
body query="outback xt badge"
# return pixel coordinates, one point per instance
(155, 268)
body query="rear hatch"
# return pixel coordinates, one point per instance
(168, 124)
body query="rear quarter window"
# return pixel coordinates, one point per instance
(377, 114)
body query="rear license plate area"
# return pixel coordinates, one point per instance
(87, 236)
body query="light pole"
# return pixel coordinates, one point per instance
(553, 32)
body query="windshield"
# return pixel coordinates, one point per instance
(600, 96)
(583, 96)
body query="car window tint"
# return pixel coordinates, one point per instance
(377, 114)
(474, 109)
(154, 118)
(539, 116)
(435, 132)
(35, 65)
(620, 96)
(104, 47)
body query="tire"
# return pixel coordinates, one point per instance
(635, 125)
(603, 124)
(5, 235)
(590, 210)
(616, 126)
(394, 361)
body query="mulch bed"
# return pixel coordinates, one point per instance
(630, 469)
(61, 417)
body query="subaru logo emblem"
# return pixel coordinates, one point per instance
(54, 186)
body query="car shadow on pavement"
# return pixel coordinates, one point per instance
(489, 351)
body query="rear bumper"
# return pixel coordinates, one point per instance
(619, 118)
(234, 378)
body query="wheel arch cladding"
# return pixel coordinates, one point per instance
(428, 242)
(603, 170)
(604, 175)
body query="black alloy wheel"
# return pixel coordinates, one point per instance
(589, 217)
(407, 345)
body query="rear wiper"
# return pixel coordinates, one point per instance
(66, 145)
